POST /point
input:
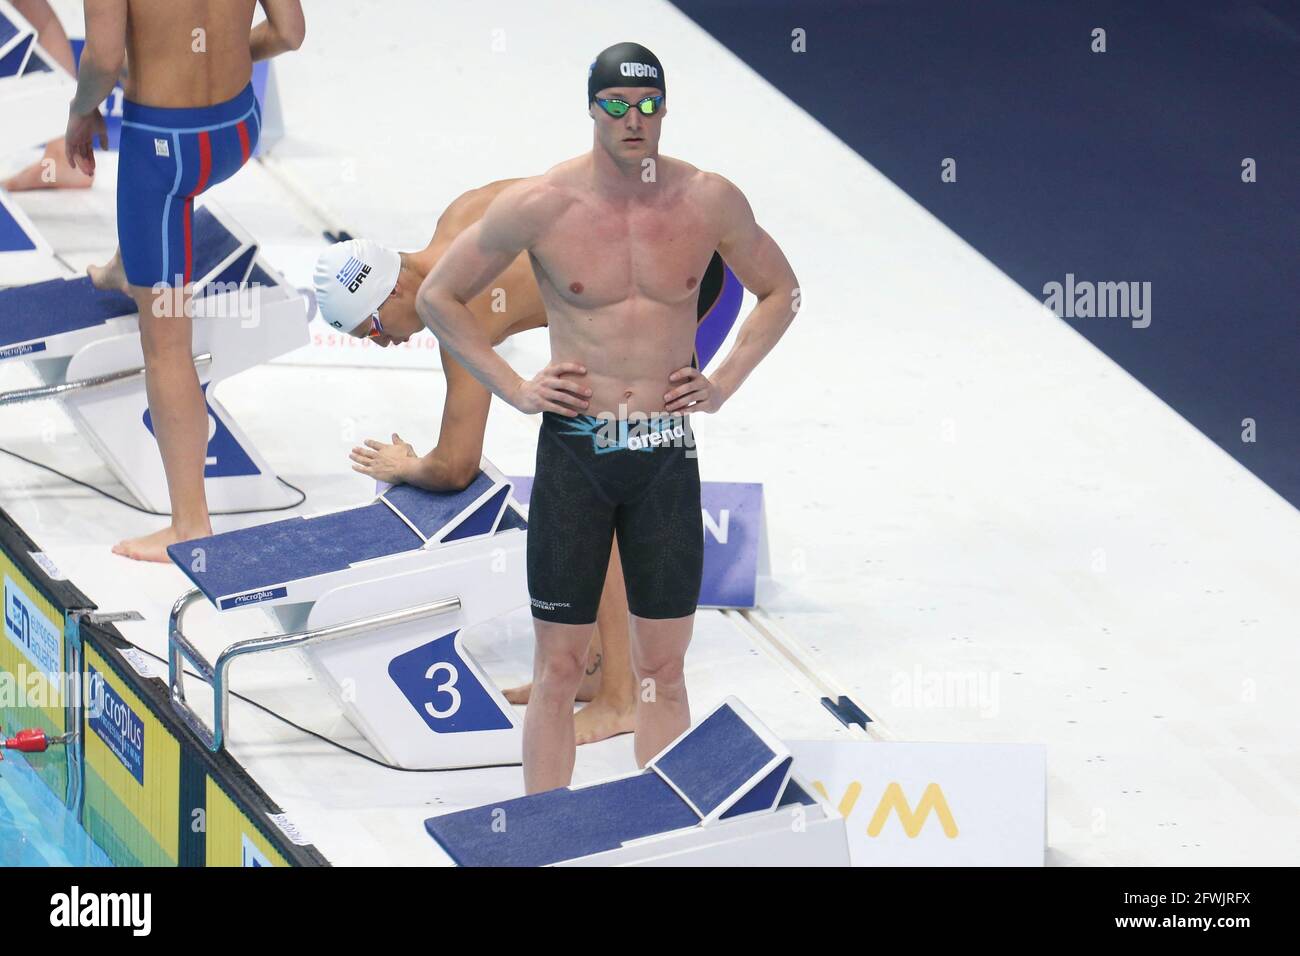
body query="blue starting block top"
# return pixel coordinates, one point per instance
(562, 824)
(430, 512)
(36, 64)
(721, 760)
(691, 766)
(13, 236)
(256, 564)
(8, 30)
(18, 49)
(13, 62)
(46, 309)
(60, 305)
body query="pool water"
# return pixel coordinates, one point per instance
(36, 829)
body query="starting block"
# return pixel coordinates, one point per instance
(85, 345)
(25, 256)
(34, 90)
(722, 794)
(378, 597)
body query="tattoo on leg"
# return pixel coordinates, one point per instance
(595, 665)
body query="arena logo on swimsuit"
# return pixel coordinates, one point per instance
(637, 442)
(638, 69)
(353, 273)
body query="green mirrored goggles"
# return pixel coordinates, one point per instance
(648, 105)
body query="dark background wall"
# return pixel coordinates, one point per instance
(1116, 166)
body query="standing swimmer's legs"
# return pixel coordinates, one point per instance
(558, 665)
(658, 657)
(180, 419)
(612, 709)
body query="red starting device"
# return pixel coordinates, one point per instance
(32, 740)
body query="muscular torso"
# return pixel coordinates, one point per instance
(619, 280)
(170, 65)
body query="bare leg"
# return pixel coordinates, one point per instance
(658, 657)
(111, 275)
(588, 687)
(548, 723)
(51, 171)
(612, 710)
(180, 421)
(593, 672)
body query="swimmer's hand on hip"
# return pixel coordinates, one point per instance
(550, 391)
(693, 392)
(389, 463)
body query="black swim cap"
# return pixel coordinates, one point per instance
(624, 64)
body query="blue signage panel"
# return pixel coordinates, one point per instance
(112, 720)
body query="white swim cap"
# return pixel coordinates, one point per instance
(353, 279)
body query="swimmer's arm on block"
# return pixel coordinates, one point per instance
(103, 55)
(283, 30)
(762, 268)
(454, 462)
(510, 225)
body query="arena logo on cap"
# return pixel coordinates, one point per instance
(353, 273)
(639, 69)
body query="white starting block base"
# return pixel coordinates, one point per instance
(377, 599)
(414, 690)
(758, 839)
(113, 418)
(722, 794)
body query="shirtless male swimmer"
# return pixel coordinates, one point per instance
(381, 306)
(189, 121)
(618, 240)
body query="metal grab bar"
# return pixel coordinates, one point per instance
(38, 392)
(180, 650)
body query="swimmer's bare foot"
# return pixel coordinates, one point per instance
(51, 171)
(600, 720)
(111, 276)
(153, 547)
(587, 690)
(518, 695)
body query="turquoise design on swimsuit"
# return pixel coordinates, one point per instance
(598, 430)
